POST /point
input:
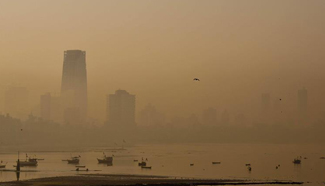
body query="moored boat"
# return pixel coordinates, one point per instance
(143, 163)
(31, 162)
(105, 159)
(74, 160)
(145, 167)
(2, 165)
(296, 161)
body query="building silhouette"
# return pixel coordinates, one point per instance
(121, 109)
(150, 116)
(74, 85)
(51, 108)
(16, 102)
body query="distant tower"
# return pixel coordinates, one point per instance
(121, 109)
(74, 83)
(302, 100)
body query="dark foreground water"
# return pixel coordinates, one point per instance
(175, 160)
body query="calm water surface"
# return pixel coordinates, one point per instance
(175, 160)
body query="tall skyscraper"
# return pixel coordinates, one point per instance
(302, 100)
(74, 83)
(121, 109)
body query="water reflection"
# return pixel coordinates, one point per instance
(17, 175)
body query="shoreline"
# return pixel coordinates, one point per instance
(137, 180)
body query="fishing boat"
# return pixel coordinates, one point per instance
(145, 167)
(142, 164)
(31, 162)
(296, 161)
(216, 162)
(79, 169)
(74, 160)
(2, 165)
(105, 159)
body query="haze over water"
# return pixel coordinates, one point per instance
(179, 82)
(174, 160)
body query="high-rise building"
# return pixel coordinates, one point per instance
(74, 83)
(16, 102)
(121, 109)
(51, 108)
(302, 100)
(150, 116)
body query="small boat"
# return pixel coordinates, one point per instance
(142, 164)
(145, 167)
(105, 159)
(74, 160)
(2, 166)
(31, 162)
(78, 169)
(192, 164)
(215, 162)
(322, 158)
(297, 161)
(248, 164)
(135, 160)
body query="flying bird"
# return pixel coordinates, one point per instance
(196, 79)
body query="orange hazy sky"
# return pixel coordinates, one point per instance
(153, 49)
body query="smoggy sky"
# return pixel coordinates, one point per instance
(153, 49)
